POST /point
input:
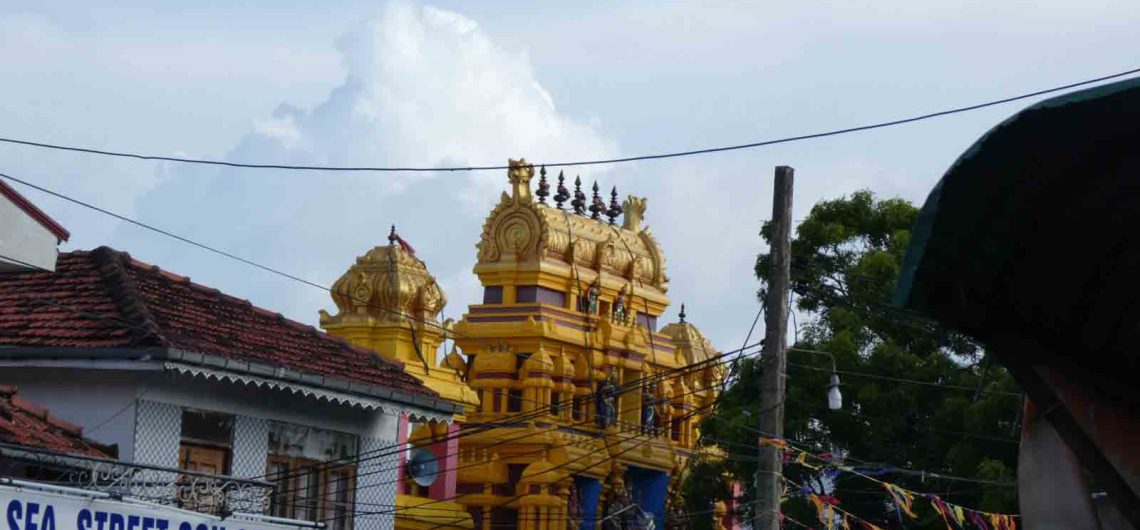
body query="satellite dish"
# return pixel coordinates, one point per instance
(423, 467)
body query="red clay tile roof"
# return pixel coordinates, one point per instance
(105, 299)
(42, 218)
(24, 423)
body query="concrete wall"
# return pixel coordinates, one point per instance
(24, 239)
(103, 402)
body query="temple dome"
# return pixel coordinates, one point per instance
(521, 230)
(539, 362)
(494, 362)
(693, 347)
(539, 472)
(387, 284)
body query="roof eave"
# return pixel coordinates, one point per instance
(224, 363)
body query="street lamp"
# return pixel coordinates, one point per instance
(834, 396)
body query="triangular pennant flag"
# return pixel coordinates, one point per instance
(942, 509)
(903, 499)
(978, 520)
(959, 515)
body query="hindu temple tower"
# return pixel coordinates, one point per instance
(579, 409)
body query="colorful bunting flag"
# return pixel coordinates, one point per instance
(903, 499)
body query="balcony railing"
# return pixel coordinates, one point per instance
(191, 490)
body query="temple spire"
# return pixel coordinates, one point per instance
(579, 202)
(682, 315)
(596, 204)
(543, 186)
(562, 193)
(615, 208)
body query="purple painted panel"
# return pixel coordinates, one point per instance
(493, 294)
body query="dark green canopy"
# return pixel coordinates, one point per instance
(1035, 232)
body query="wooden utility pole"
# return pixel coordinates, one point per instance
(769, 477)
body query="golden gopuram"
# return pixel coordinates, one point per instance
(579, 411)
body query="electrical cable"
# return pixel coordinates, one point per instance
(658, 156)
(522, 417)
(541, 411)
(209, 248)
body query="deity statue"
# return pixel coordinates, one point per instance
(620, 314)
(607, 402)
(574, 508)
(619, 515)
(590, 304)
(649, 408)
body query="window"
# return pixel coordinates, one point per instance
(207, 441)
(206, 446)
(310, 482)
(676, 430)
(555, 403)
(576, 411)
(514, 400)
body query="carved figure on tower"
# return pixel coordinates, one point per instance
(619, 314)
(607, 402)
(649, 408)
(590, 304)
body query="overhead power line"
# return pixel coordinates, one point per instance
(657, 156)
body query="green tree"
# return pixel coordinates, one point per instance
(846, 257)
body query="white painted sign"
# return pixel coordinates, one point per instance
(33, 509)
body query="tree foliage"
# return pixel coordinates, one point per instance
(846, 257)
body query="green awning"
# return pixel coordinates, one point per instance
(1035, 231)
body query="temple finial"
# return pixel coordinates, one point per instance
(615, 208)
(597, 206)
(579, 202)
(392, 237)
(543, 186)
(562, 193)
(682, 315)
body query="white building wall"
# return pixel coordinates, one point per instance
(24, 239)
(103, 402)
(142, 412)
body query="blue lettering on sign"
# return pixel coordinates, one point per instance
(83, 520)
(100, 520)
(30, 516)
(116, 522)
(132, 522)
(48, 522)
(185, 526)
(15, 513)
(201, 526)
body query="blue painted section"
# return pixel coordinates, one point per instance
(648, 488)
(591, 490)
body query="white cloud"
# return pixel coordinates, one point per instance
(422, 86)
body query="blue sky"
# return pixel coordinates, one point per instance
(476, 82)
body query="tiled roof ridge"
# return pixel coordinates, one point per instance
(110, 264)
(10, 392)
(143, 266)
